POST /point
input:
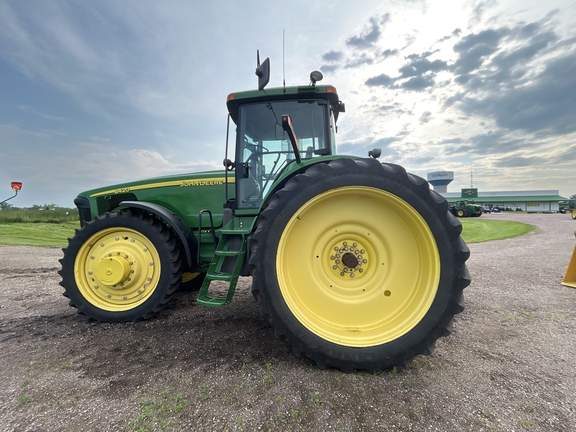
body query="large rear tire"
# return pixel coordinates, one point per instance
(359, 265)
(122, 266)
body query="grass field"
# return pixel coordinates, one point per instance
(55, 231)
(475, 230)
(37, 234)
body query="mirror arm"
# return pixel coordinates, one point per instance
(287, 126)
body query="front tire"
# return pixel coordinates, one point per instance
(358, 265)
(121, 266)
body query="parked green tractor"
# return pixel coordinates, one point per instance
(465, 209)
(356, 263)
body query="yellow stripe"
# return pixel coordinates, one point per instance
(209, 181)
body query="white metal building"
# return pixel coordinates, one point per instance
(529, 200)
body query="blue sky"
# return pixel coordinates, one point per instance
(96, 93)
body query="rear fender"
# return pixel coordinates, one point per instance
(182, 230)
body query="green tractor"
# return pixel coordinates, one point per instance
(465, 209)
(356, 263)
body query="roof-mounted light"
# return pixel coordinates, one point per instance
(315, 76)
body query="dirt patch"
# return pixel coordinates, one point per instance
(509, 365)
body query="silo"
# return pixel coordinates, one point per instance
(440, 180)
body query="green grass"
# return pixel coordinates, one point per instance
(475, 230)
(60, 215)
(37, 234)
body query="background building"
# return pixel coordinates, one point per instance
(528, 200)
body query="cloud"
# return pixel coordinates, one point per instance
(380, 80)
(519, 161)
(547, 104)
(371, 33)
(425, 117)
(416, 75)
(332, 56)
(474, 48)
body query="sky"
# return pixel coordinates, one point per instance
(98, 93)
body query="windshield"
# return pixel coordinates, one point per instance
(264, 148)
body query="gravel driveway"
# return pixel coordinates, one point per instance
(509, 365)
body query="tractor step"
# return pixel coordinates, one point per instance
(216, 270)
(219, 276)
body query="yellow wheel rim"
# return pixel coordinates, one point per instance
(117, 269)
(358, 266)
(574, 214)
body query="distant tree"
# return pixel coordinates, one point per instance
(573, 197)
(5, 206)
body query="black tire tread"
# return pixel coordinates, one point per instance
(324, 356)
(169, 245)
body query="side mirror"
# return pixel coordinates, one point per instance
(262, 71)
(229, 164)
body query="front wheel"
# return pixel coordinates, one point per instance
(359, 265)
(121, 266)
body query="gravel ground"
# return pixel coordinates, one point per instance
(509, 365)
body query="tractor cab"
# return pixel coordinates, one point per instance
(278, 127)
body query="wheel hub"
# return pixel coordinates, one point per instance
(349, 258)
(117, 269)
(112, 271)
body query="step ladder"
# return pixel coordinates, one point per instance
(216, 272)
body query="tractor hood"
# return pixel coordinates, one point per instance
(183, 194)
(207, 178)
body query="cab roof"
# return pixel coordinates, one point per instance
(326, 92)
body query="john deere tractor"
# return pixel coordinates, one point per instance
(356, 263)
(466, 209)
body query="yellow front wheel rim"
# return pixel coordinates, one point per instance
(358, 266)
(117, 269)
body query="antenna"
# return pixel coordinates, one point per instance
(283, 63)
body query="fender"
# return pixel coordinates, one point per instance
(182, 230)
